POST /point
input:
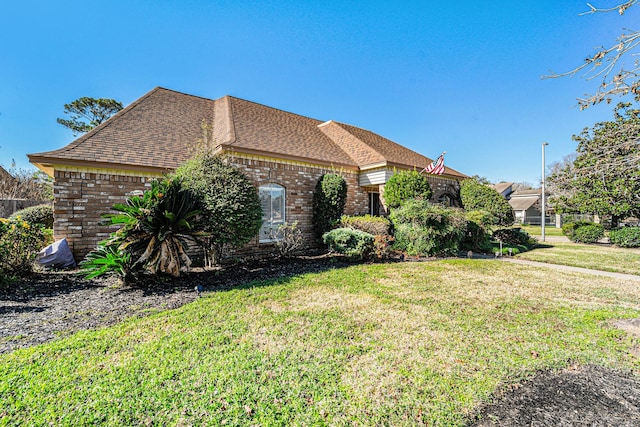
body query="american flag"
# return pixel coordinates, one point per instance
(437, 167)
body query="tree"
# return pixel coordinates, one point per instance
(479, 197)
(406, 185)
(25, 184)
(615, 66)
(87, 113)
(329, 199)
(604, 178)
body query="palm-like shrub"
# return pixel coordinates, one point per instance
(155, 228)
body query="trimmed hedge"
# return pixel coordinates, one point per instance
(626, 237)
(588, 233)
(20, 242)
(512, 236)
(375, 225)
(583, 231)
(476, 196)
(355, 244)
(39, 214)
(329, 199)
(406, 185)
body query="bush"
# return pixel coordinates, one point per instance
(512, 236)
(404, 186)
(229, 202)
(477, 196)
(288, 240)
(588, 233)
(20, 242)
(425, 229)
(626, 237)
(329, 199)
(583, 231)
(39, 214)
(375, 225)
(476, 237)
(355, 244)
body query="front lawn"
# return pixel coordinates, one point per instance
(386, 344)
(536, 230)
(597, 257)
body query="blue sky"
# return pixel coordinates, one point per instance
(461, 76)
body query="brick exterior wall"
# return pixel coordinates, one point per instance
(79, 200)
(81, 197)
(299, 181)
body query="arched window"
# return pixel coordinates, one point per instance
(272, 200)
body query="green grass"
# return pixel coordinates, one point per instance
(389, 344)
(597, 257)
(536, 230)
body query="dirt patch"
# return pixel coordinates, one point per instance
(50, 305)
(577, 396)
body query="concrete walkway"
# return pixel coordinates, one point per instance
(611, 274)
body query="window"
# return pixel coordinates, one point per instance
(273, 205)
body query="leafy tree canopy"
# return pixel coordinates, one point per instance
(86, 113)
(479, 197)
(604, 178)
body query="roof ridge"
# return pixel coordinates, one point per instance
(360, 141)
(272, 108)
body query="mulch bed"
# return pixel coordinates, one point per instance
(54, 304)
(49, 305)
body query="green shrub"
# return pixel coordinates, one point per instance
(512, 236)
(588, 233)
(477, 196)
(583, 231)
(355, 244)
(476, 236)
(329, 199)
(229, 202)
(425, 229)
(20, 242)
(406, 185)
(626, 237)
(375, 225)
(568, 228)
(39, 214)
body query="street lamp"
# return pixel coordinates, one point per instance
(544, 144)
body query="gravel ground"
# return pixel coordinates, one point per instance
(51, 305)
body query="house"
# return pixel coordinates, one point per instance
(527, 206)
(504, 188)
(283, 153)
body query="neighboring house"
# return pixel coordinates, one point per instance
(284, 154)
(504, 188)
(527, 206)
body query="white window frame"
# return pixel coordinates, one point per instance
(273, 200)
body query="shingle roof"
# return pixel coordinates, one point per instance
(523, 203)
(159, 131)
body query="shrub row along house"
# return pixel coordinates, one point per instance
(284, 154)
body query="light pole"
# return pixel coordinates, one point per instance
(544, 215)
